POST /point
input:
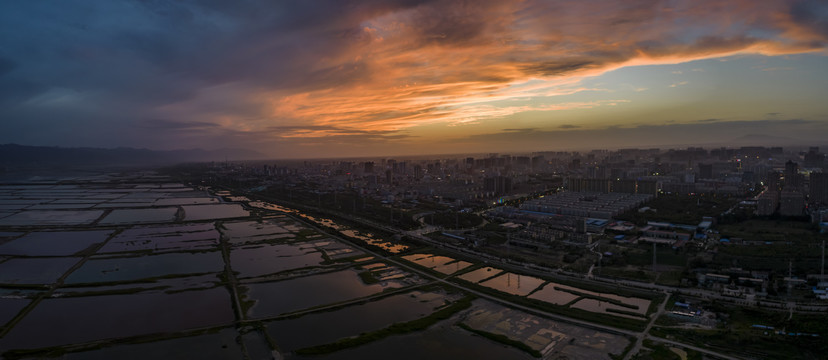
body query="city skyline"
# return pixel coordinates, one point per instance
(298, 80)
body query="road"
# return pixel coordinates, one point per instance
(639, 338)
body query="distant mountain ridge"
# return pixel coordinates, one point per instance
(14, 155)
(765, 140)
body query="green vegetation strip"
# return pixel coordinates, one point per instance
(738, 337)
(662, 351)
(752, 344)
(502, 339)
(395, 329)
(368, 277)
(629, 313)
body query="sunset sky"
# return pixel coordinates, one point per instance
(357, 78)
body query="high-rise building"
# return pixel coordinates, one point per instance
(773, 181)
(791, 168)
(498, 185)
(767, 203)
(575, 164)
(624, 186)
(399, 167)
(791, 203)
(793, 180)
(589, 185)
(814, 159)
(616, 173)
(647, 187)
(537, 162)
(818, 192)
(705, 171)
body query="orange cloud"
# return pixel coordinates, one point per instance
(466, 62)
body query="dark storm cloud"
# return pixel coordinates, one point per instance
(128, 57)
(812, 14)
(195, 42)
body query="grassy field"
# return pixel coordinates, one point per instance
(663, 352)
(736, 332)
(451, 219)
(771, 230)
(681, 209)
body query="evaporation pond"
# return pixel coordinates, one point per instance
(51, 217)
(416, 257)
(186, 201)
(636, 305)
(281, 297)
(54, 243)
(34, 270)
(433, 261)
(133, 216)
(221, 345)
(641, 305)
(261, 260)
(84, 200)
(217, 211)
(514, 284)
(315, 329)
(453, 267)
(603, 307)
(252, 231)
(53, 206)
(144, 267)
(122, 205)
(480, 274)
(10, 307)
(13, 206)
(551, 295)
(70, 320)
(180, 237)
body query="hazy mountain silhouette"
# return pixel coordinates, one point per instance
(12, 155)
(766, 140)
